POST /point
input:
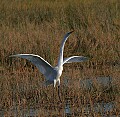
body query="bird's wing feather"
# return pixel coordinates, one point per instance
(44, 67)
(74, 59)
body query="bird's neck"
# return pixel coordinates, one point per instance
(60, 60)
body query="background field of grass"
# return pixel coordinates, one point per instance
(38, 26)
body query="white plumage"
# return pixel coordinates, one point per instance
(52, 74)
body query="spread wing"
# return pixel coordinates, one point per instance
(74, 59)
(44, 67)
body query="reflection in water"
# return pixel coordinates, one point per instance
(101, 108)
(19, 112)
(86, 84)
(67, 109)
(104, 82)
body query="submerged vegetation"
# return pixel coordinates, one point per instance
(38, 26)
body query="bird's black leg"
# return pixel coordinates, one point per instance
(59, 93)
(53, 94)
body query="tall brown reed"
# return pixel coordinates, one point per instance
(38, 27)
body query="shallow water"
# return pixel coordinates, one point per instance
(89, 84)
(101, 108)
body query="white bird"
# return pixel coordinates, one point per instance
(52, 74)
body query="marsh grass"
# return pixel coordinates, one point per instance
(38, 27)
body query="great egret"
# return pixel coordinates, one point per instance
(52, 74)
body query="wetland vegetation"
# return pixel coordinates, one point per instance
(38, 26)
